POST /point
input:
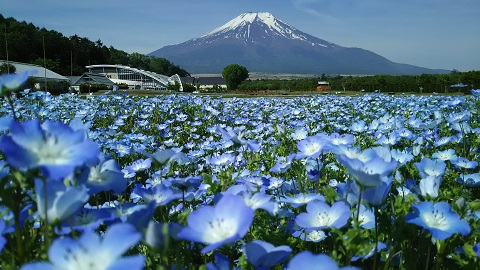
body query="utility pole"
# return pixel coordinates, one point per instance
(44, 64)
(6, 49)
(71, 63)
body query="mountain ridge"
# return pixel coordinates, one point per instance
(262, 43)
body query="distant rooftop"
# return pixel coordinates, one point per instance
(91, 78)
(41, 72)
(204, 80)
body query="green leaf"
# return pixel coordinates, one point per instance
(475, 205)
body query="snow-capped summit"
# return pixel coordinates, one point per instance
(263, 43)
(258, 27)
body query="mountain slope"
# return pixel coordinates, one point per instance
(263, 43)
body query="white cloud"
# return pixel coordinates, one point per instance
(306, 6)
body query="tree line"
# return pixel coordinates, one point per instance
(426, 83)
(26, 43)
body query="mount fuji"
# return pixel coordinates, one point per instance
(262, 43)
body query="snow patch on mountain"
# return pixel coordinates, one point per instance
(242, 26)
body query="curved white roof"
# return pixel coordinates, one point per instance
(162, 79)
(41, 72)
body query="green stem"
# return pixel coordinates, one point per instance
(358, 207)
(12, 107)
(183, 197)
(18, 232)
(391, 255)
(428, 256)
(376, 238)
(346, 191)
(45, 209)
(440, 249)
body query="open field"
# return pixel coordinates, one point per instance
(187, 180)
(276, 93)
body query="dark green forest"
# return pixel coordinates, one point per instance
(25, 43)
(425, 83)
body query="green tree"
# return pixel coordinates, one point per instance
(189, 88)
(7, 68)
(174, 87)
(234, 74)
(69, 55)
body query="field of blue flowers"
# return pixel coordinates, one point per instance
(188, 182)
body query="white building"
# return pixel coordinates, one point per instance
(135, 78)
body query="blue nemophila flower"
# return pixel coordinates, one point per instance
(427, 167)
(221, 263)
(136, 214)
(311, 147)
(476, 248)
(344, 139)
(358, 126)
(61, 202)
(263, 255)
(138, 166)
(4, 169)
(469, 180)
(301, 199)
(366, 218)
(448, 154)
(157, 234)
(370, 167)
(166, 156)
(3, 241)
(439, 219)
(313, 168)
(78, 124)
(104, 176)
(237, 137)
(320, 215)
(308, 260)
(390, 139)
(475, 92)
(310, 235)
(254, 183)
(443, 141)
(283, 164)
(464, 163)
(186, 182)
(405, 133)
(9, 218)
(224, 159)
(160, 194)
(430, 186)
(5, 123)
(91, 252)
(55, 148)
(13, 81)
(259, 200)
(299, 134)
(225, 223)
(377, 195)
(85, 219)
(349, 190)
(401, 156)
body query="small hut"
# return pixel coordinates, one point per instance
(323, 86)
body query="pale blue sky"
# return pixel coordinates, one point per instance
(428, 33)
